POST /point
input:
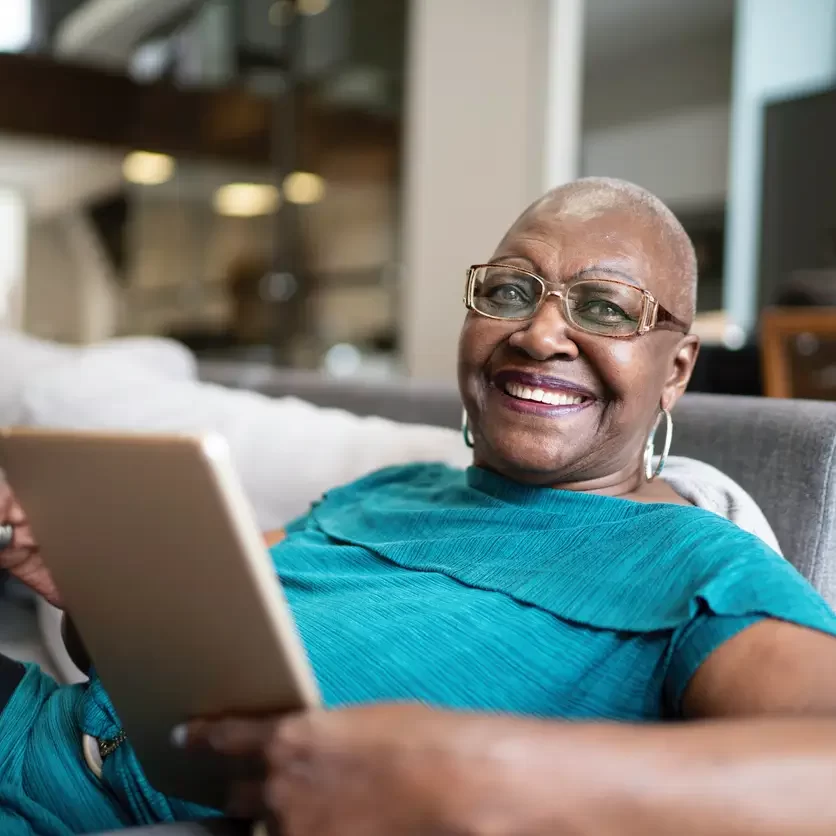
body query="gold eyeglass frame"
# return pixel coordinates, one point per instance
(653, 314)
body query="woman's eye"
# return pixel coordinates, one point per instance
(602, 309)
(508, 293)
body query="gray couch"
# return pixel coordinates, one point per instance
(782, 452)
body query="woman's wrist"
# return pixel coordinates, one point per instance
(704, 778)
(520, 777)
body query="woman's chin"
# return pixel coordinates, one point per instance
(528, 462)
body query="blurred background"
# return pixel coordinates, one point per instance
(303, 184)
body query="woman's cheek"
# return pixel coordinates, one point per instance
(619, 366)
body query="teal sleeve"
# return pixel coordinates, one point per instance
(692, 645)
(46, 787)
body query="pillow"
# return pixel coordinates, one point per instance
(164, 357)
(23, 358)
(287, 452)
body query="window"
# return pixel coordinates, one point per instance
(15, 25)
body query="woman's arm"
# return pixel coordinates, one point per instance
(271, 538)
(761, 761)
(755, 777)
(410, 770)
(771, 668)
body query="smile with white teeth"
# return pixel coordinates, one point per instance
(542, 395)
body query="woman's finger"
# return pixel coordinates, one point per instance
(232, 736)
(23, 536)
(16, 514)
(10, 510)
(246, 800)
(5, 502)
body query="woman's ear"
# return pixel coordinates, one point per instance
(682, 366)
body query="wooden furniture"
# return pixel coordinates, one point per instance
(798, 352)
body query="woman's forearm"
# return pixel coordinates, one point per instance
(723, 778)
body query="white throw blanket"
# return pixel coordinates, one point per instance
(708, 488)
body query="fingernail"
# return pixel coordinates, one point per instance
(180, 735)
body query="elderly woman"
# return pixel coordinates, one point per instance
(558, 578)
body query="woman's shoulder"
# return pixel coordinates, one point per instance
(701, 544)
(714, 565)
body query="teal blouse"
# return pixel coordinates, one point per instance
(463, 590)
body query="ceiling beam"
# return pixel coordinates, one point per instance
(68, 102)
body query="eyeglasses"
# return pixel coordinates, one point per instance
(608, 307)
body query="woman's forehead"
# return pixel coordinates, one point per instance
(557, 244)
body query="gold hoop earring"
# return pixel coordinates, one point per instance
(467, 435)
(649, 449)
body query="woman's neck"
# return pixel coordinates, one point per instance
(628, 484)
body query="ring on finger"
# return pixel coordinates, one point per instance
(7, 535)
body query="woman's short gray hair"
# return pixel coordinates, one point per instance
(590, 197)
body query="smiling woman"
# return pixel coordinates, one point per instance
(589, 294)
(557, 578)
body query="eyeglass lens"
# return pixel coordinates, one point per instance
(595, 305)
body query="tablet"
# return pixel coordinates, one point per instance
(155, 549)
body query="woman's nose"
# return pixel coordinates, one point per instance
(546, 334)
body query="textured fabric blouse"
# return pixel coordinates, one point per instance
(460, 589)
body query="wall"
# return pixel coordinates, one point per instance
(783, 48)
(661, 119)
(681, 156)
(52, 307)
(480, 74)
(657, 82)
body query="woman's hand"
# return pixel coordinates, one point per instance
(407, 770)
(22, 558)
(372, 771)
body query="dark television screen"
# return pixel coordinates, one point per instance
(798, 222)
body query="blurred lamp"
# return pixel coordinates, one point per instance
(734, 337)
(281, 12)
(246, 200)
(303, 187)
(15, 25)
(148, 169)
(343, 360)
(312, 7)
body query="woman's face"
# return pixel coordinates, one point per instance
(599, 442)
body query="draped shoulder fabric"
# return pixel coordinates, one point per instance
(599, 561)
(460, 589)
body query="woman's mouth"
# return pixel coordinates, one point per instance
(539, 394)
(546, 396)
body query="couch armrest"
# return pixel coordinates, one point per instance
(209, 827)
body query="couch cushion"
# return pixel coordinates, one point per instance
(784, 454)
